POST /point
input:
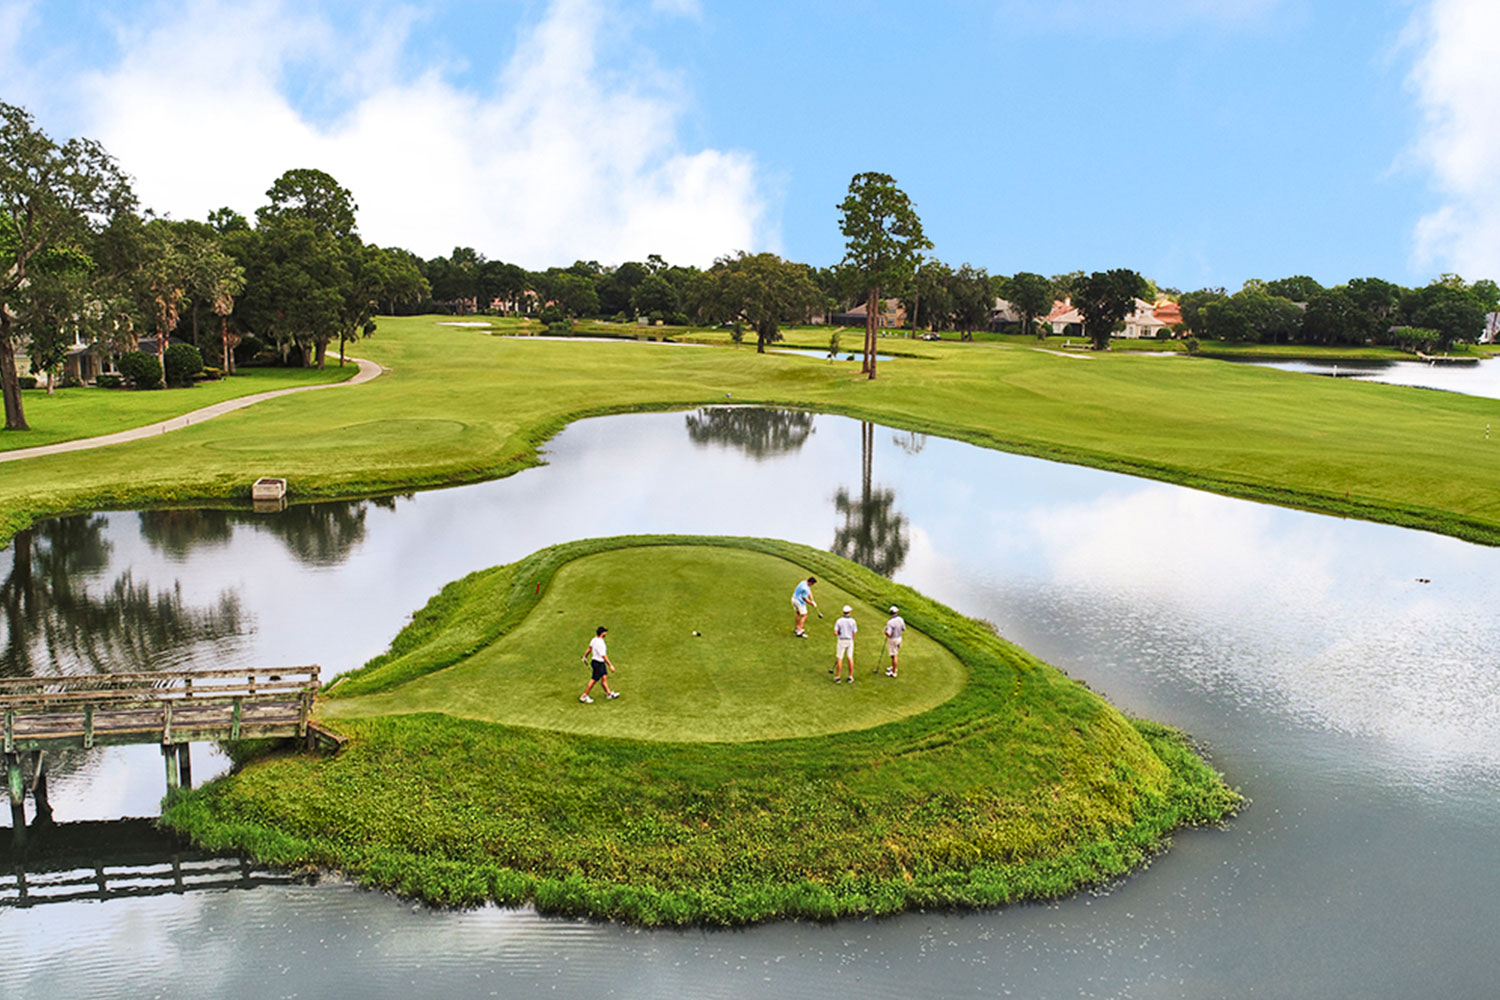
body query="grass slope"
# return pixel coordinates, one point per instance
(461, 405)
(70, 414)
(1022, 785)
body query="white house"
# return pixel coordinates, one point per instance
(1144, 321)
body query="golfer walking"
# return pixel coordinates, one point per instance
(844, 628)
(801, 598)
(893, 632)
(597, 657)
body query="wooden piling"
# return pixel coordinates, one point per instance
(169, 757)
(185, 764)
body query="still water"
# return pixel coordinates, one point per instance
(1356, 706)
(1476, 378)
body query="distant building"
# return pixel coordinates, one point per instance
(1144, 322)
(892, 314)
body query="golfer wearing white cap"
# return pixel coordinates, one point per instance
(844, 628)
(893, 631)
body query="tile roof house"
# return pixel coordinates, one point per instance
(1143, 322)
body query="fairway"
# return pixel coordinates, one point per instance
(745, 678)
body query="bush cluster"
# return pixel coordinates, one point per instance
(183, 361)
(140, 369)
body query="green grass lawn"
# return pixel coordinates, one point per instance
(746, 677)
(983, 776)
(69, 414)
(460, 405)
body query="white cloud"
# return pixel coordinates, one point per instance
(557, 159)
(1458, 90)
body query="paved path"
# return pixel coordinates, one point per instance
(367, 371)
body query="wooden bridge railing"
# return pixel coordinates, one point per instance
(168, 707)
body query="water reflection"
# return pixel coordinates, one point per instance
(323, 534)
(758, 433)
(177, 533)
(53, 621)
(873, 532)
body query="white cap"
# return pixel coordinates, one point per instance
(847, 609)
(893, 609)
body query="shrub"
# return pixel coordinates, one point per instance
(109, 380)
(210, 374)
(69, 382)
(1191, 343)
(140, 369)
(183, 361)
(550, 315)
(28, 381)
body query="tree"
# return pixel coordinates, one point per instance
(1103, 299)
(884, 243)
(226, 220)
(972, 299)
(655, 296)
(761, 290)
(312, 195)
(1031, 296)
(575, 294)
(163, 280)
(1448, 306)
(1298, 288)
(294, 285)
(1333, 317)
(930, 303)
(52, 197)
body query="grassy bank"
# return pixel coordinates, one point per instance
(460, 405)
(70, 414)
(1019, 784)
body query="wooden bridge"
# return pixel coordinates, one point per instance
(172, 709)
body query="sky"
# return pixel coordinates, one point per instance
(1201, 142)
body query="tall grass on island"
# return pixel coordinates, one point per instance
(1022, 784)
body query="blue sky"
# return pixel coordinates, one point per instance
(1202, 142)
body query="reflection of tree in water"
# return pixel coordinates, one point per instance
(874, 532)
(322, 534)
(910, 442)
(178, 532)
(51, 623)
(759, 433)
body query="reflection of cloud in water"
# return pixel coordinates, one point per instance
(1322, 620)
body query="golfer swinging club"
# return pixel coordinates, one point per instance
(597, 656)
(801, 598)
(894, 629)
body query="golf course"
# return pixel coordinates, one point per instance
(461, 405)
(731, 782)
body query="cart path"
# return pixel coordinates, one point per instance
(368, 370)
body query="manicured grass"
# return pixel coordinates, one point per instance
(1022, 785)
(69, 414)
(745, 677)
(462, 405)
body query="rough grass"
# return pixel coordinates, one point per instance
(462, 405)
(1024, 785)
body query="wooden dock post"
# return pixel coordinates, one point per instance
(169, 757)
(39, 798)
(16, 784)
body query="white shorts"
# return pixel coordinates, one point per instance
(892, 646)
(845, 647)
(799, 606)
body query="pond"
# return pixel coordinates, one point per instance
(1354, 704)
(1471, 378)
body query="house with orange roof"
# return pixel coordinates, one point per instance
(1145, 321)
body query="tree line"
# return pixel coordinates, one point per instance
(81, 262)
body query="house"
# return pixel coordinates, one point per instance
(1003, 314)
(1145, 320)
(1491, 328)
(892, 314)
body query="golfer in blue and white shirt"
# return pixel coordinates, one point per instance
(801, 598)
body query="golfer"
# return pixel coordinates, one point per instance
(597, 657)
(844, 628)
(893, 631)
(801, 598)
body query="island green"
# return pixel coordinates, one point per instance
(732, 782)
